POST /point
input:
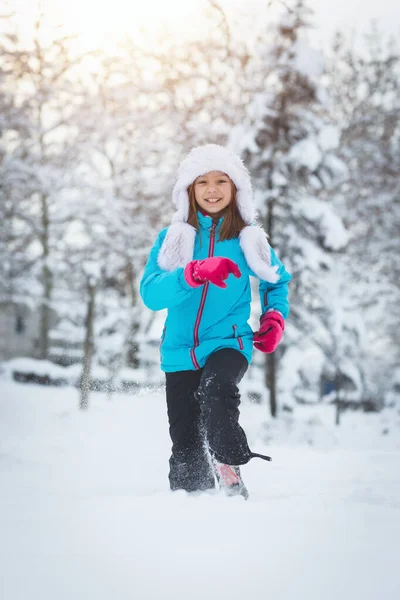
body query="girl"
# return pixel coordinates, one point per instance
(199, 270)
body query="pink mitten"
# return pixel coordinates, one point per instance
(214, 269)
(270, 333)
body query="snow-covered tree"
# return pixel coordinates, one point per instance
(14, 261)
(290, 145)
(365, 85)
(42, 158)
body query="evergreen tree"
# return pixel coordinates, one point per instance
(290, 144)
(365, 86)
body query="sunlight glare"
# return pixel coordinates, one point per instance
(98, 23)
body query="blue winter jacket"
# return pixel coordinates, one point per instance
(207, 318)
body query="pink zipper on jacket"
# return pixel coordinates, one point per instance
(202, 301)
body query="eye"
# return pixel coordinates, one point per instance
(201, 181)
(223, 181)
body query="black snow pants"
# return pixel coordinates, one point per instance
(203, 413)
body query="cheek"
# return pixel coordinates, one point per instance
(228, 195)
(197, 194)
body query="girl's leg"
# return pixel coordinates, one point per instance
(189, 465)
(219, 398)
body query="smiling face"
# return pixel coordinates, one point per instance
(213, 192)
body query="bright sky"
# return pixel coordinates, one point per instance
(97, 21)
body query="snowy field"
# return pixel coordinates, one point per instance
(86, 514)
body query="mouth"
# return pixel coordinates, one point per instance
(213, 200)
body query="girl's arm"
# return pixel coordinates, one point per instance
(162, 289)
(274, 296)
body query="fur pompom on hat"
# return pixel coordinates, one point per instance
(177, 248)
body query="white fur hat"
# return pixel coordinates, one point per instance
(204, 159)
(178, 245)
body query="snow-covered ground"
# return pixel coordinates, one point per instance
(86, 514)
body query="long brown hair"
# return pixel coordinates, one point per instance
(232, 224)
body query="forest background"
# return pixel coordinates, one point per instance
(91, 132)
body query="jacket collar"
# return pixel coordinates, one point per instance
(178, 247)
(205, 221)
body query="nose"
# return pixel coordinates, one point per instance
(212, 187)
